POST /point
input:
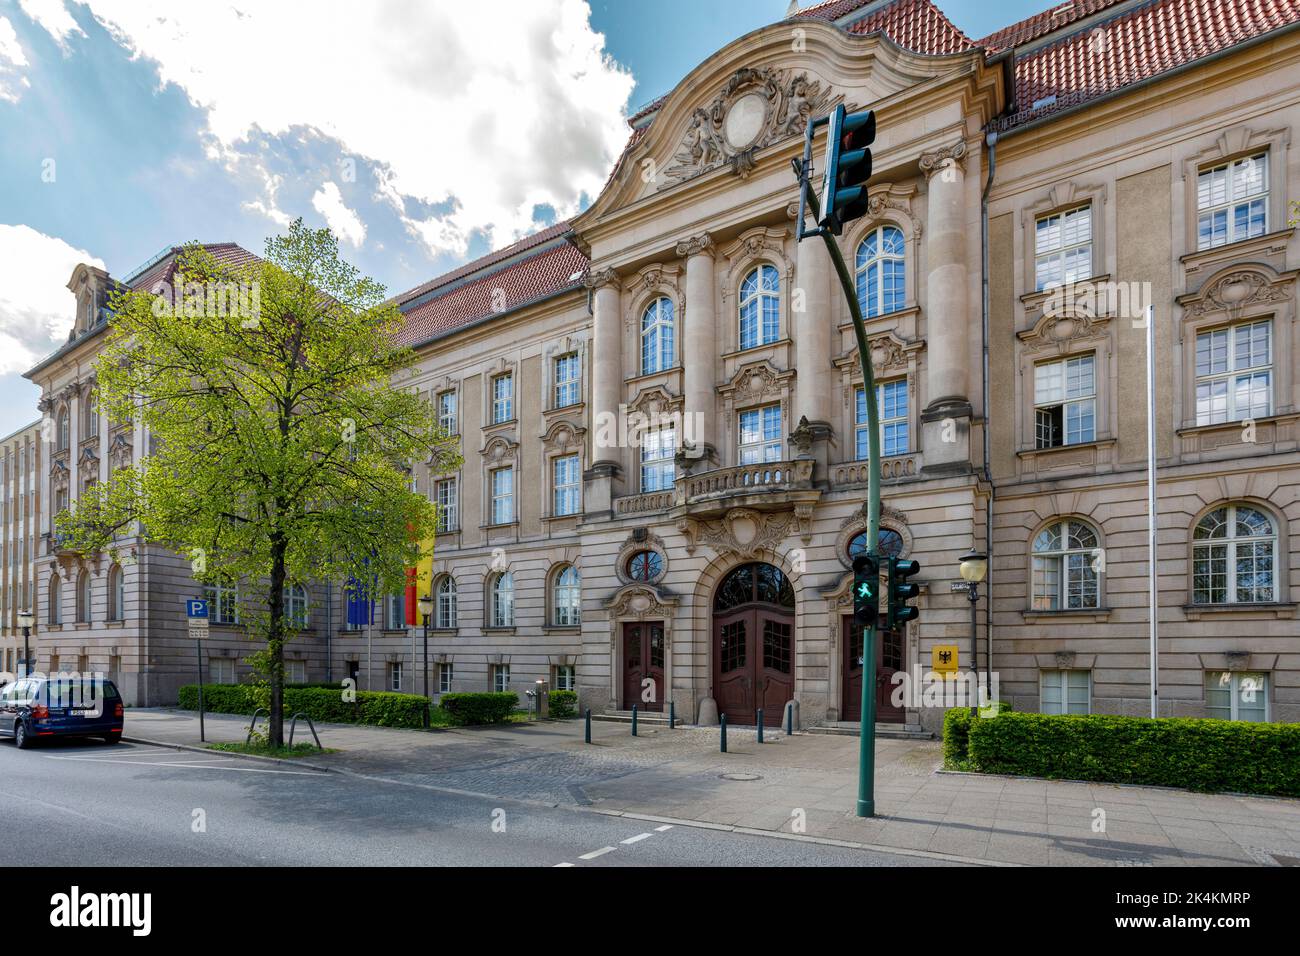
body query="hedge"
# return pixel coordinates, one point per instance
(1191, 753)
(564, 704)
(956, 730)
(493, 708)
(381, 708)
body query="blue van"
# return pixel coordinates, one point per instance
(60, 706)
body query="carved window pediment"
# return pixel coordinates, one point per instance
(1234, 290)
(500, 449)
(1064, 332)
(640, 601)
(756, 382)
(564, 436)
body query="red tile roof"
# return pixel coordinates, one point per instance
(164, 268)
(1041, 24)
(918, 25)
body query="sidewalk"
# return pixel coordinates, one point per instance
(808, 779)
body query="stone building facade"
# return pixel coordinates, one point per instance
(20, 463)
(659, 401)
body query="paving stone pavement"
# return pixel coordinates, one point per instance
(803, 784)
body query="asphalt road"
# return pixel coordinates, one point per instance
(70, 803)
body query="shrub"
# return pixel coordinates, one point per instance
(488, 708)
(956, 731)
(564, 704)
(1193, 753)
(381, 708)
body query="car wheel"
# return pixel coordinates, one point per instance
(22, 738)
(112, 738)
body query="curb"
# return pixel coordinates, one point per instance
(228, 753)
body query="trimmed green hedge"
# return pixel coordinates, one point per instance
(487, 708)
(381, 708)
(1192, 753)
(564, 704)
(956, 732)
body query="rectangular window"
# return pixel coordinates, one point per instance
(295, 672)
(395, 612)
(395, 676)
(564, 677)
(222, 604)
(658, 467)
(1065, 403)
(1234, 373)
(1232, 202)
(221, 670)
(501, 678)
(1231, 695)
(891, 403)
(503, 496)
(1063, 247)
(567, 380)
(503, 398)
(568, 485)
(760, 435)
(1065, 692)
(448, 505)
(447, 412)
(446, 674)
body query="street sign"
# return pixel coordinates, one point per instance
(198, 628)
(196, 608)
(943, 658)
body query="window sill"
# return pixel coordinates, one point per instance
(497, 630)
(568, 517)
(443, 631)
(498, 527)
(562, 629)
(651, 376)
(1037, 297)
(1278, 418)
(775, 343)
(507, 423)
(1277, 609)
(1269, 242)
(575, 408)
(1094, 614)
(1035, 452)
(894, 316)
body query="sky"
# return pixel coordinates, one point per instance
(423, 132)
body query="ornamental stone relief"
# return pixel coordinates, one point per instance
(1063, 333)
(755, 108)
(742, 531)
(640, 601)
(940, 159)
(1236, 290)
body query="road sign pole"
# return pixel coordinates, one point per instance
(198, 660)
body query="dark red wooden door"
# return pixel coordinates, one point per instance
(643, 660)
(754, 665)
(889, 661)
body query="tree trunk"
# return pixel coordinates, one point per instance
(275, 640)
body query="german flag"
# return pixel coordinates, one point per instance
(419, 580)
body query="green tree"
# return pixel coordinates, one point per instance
(282, 432)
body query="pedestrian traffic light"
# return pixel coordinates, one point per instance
(866, 590)
(847, 169)
(901, 591)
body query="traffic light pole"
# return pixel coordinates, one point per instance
(867, 739)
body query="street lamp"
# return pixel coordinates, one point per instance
(426, 609)
(974, 565)
(25, 621)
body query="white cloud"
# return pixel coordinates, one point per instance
(54, 17)
(11, 58)
(347, 225)
(268, 207)
(495, 107)
(36, 308)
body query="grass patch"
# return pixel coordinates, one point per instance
(262, 750)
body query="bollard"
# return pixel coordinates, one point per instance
(634, 720)
(722, 722)
(760, 725)
(672, 715)
(588, 740)
(789, 721)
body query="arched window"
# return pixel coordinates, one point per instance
(503, 600)
(891, 544)
(90, 418)
(116, 594)
(444, 614)
(295, 605)
(64, 437)
(754, 584)
(1234, 557)
(83, 597)
(1067, 560)
(881, 270)
(760, 307)
(645, 566)
(657, 336)
(566, 598)
(56, 600)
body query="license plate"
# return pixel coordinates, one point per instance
(83, 712)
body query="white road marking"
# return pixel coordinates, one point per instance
(637, 839)
(595, 853)
(666, 826)
(195, 766)
(558, 865)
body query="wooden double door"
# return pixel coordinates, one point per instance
(889, 661)
(643, 665)
(753, 665)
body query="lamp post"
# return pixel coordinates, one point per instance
(25, 621)
(974, 565)
(426, 609)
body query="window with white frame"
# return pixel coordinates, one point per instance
(64, 436)
(445, 491)
(503, 398)
(395, 676)
(1065, 567)
(503, 495)
(500, 678)
(564, 677)
(295, 672)
(1063, 247)
(503, 600)
(1065, 692)
(444, 613)
(880, 271)
(1234, 557)
(760, 434)
(566, 479)
(657, 336)
(567, 380)
(760, 307)
(566, 598)
(1234, 373)
(891, 403)
(221, 670)
(1065, 402)
(117, 593)
(658, 467)
(1232, 201)
(395, 612)
(1231, 695)
(447, 413)
(295, 605)
(446, 674)
(223, 603)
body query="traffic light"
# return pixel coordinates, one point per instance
(901, 591)
(866, 590)
(848, 167)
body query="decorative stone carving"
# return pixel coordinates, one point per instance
(597, 279)
(651, 542)
(755, 108)
(941, 159)
(742, 531)
(1234, 291)
(639, 602)
(499, 449)
(119, 451)
(564, 436)
(1065, 659)
(652, 282)
(1063, 333)
(890, 196)
(695, 246)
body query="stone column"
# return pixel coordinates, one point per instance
(945, 421)
(699, 352)
(606, 392)
(811, 325)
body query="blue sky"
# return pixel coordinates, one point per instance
(127, 127)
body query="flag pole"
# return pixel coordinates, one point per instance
(1152, 518)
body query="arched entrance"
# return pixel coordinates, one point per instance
(753, 644)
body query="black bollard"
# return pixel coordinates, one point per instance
(634, 720)
(672, 715)
(724, 733)
(588, 725)
(789, 721)
(760, 725)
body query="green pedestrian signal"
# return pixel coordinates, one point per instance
(866, 590)
(901, 591)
